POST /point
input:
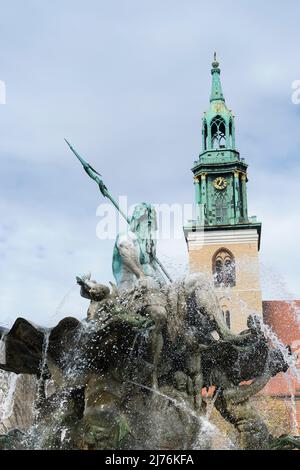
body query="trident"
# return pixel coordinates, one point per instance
(104, 191)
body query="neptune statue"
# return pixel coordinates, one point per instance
(134, 255)
(131, 375)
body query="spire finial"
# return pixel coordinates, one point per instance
(215, 63)
(216, 90)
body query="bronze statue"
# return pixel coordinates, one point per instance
(132, 373)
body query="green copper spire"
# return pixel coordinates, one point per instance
(218, 130)
(216, 87)
(220, 174)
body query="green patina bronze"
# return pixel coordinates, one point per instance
(220, 174)
(104, 191)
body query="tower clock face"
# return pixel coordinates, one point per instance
(220, 183)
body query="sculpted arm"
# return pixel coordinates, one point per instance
(199, 285)
(242, 392)
(128, 253)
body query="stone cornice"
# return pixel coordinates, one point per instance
(248, 233)
(222, 237)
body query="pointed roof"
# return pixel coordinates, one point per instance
(216, 87)
(217, 101)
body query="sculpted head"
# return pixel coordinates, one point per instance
(180, 381)
(143, 217)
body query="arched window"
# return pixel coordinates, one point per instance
(218, 133)
(204, 135)
(221, 208)
(224, 269)
(226, 315)
(227, 318)
(230, 134)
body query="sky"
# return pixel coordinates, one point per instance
(127, 83)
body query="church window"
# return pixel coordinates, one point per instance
(230, 134)
(227, 318)
(218, 133)
(224, 269)
(221, 208)
(205, 135)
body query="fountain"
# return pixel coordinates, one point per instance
(130, 375)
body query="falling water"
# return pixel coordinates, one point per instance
(289, 380)
(211, 405)
(2, 351)
(131, 350)
(281, 291)
(63, 434)
(207, 430)
(177, 403)
(292, 373)
(290, 359)
(44, 352)
(63, 301)
(43, 365)
(177, 269)
(7, 407)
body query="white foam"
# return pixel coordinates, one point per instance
(2, 351)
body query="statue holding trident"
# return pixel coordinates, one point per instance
(134, 254)
(135, 265)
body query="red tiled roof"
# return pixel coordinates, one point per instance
(281, 316)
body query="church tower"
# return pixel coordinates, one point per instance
(224, 241)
